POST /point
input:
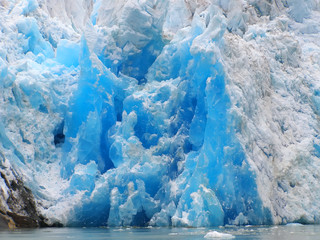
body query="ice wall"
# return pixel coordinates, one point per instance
(162, 113)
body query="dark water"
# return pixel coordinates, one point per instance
(289, 232)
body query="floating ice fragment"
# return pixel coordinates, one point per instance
(215, 234)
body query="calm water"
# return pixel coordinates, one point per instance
(289, 232)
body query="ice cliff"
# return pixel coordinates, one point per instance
(162, 112)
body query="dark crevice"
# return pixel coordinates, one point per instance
(104, 150)
(118, 105)
(23, 137)
(5, 179)
(17, 96)
(59, 136)
(187, 146)
(59, 139)
(43, 108)
(107, 121)
(140, 219)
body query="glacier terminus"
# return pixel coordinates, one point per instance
(183, 113)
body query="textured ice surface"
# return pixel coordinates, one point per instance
(164, 113)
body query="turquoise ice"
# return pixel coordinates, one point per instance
(162, 113)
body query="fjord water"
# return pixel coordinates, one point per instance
(288, 232)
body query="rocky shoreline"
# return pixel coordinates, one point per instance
(17, 205)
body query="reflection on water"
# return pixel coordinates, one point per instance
(288, 232)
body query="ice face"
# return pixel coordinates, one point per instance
(162, 113)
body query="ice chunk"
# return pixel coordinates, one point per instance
(215, 234)
(35, 42)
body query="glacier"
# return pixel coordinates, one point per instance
(184, 113)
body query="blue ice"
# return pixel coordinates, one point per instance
(149, 140)
(161, 152)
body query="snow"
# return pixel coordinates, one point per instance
(163, 113)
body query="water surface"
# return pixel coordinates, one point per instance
(288, 232)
